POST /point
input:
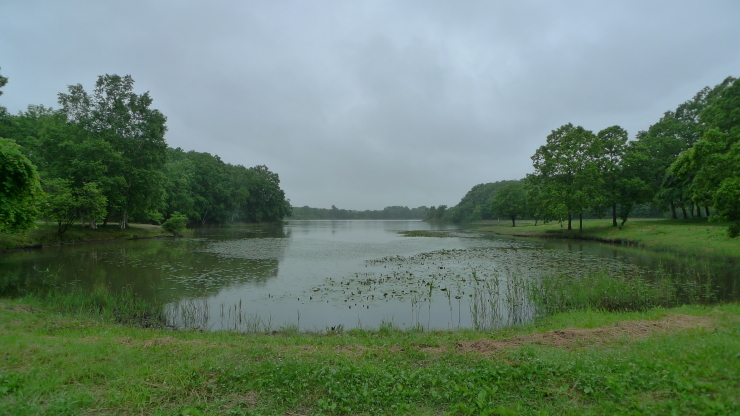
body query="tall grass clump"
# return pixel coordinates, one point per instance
(624, 292)
(513, 297)
(123, 307)
(46, 289)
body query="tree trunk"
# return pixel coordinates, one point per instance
(698, 211)
(570, 219)
(706, 210)
(683, 210)
(124, 220)
(614, 215)
(513, 221)
(580, 221)
(673, 211)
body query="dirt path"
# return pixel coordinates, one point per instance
(579, 337)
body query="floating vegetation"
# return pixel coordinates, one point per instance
(457, 271)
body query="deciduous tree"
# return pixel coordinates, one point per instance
(19, 188)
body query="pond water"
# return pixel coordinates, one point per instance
(319, 275)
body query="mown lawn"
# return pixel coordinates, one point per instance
(694, 236)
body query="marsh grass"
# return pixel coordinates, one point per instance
(123, 307)
(514, 297)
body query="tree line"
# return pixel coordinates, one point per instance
(387, 213)
(687, 162)
(102, 157)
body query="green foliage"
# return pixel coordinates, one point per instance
(207, 190)
(113, 137)
(65, 204)
(334, 213)
(176, 223)
(474, 206)
(715, 159)
(19, 188)
(734, 229)
(125, 121)
(3, 81)
(567, 173)
(510, 201)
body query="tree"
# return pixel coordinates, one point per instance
(474, 206)
(670, 176)
(3, 81)
(65, 204)
(123, 119)
(510, 201)
(715, 158)
(566, 171)
(210, 187)
(611, 145)
(19, 188)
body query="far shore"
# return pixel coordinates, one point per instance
(695, 236)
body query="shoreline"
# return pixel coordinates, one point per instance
(45, 236)
(696, 237)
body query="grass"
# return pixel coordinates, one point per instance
(694, 236)
(46, 234)
(69, 364)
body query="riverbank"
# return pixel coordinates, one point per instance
(45, 234)
(694, 236)
(681, 360)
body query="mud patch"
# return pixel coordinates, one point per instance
(18, 307)
(579, 337)
(161, 341)
(351, 349)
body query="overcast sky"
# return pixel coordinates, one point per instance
(365, 104)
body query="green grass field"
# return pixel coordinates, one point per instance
(693, 236)
(676, 361)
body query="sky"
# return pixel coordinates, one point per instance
(367, 104)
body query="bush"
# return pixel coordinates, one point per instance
(734, 229)
(176, 224)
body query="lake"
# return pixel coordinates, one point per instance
(319, 275)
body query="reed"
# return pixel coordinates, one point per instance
(123, 307)
(513, 297)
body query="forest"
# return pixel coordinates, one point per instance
(687, 162)
(387, 213)
(101, 157)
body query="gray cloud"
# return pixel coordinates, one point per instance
(368, 104)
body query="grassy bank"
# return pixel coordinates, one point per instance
(45, 234)
(692, 236)
(660, 361)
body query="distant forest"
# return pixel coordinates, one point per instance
(688, 162)
(102, 157)
(387, 213)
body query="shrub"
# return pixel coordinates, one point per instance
(176, 224)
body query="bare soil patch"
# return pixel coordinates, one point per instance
(579, 337)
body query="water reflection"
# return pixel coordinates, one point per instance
(323, 274)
